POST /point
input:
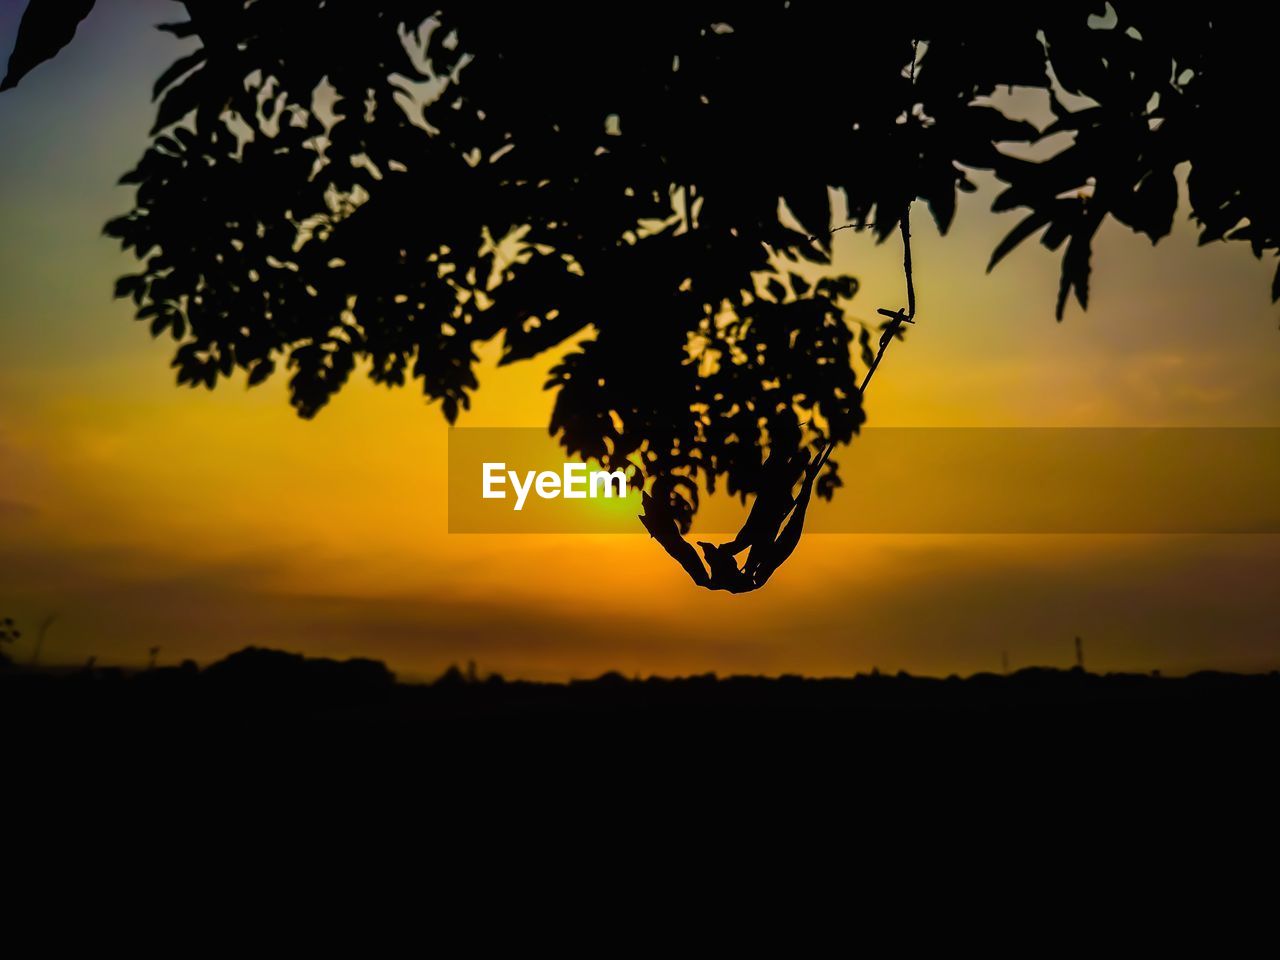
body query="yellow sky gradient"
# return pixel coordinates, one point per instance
(143, 514)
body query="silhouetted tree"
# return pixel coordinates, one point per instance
(389, 184)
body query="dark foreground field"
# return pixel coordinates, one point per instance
(1153, 759)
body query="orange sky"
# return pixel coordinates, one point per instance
(147, 515)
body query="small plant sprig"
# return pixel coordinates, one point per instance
(8, 634)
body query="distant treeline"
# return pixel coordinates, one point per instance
(259, 683)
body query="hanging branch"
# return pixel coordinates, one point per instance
(773, 527)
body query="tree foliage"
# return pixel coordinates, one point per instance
(334, 184)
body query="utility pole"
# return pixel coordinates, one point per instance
(1079, 654)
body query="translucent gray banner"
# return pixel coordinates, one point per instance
(922, 480)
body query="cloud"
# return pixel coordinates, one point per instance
(924, 604)
(114, 603)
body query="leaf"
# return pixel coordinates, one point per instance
(1075, 271)
(183, 28)
(129, 284)
(178, 69)
(179, 101)
(868, 352)
(942, 202)
(998, 128)
(1026, 228)
(47, 26)
(842, 287)
(812, 207)
(1151, 207)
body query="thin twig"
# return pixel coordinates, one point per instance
(905, 225)
(847, 226)
(896, 318)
